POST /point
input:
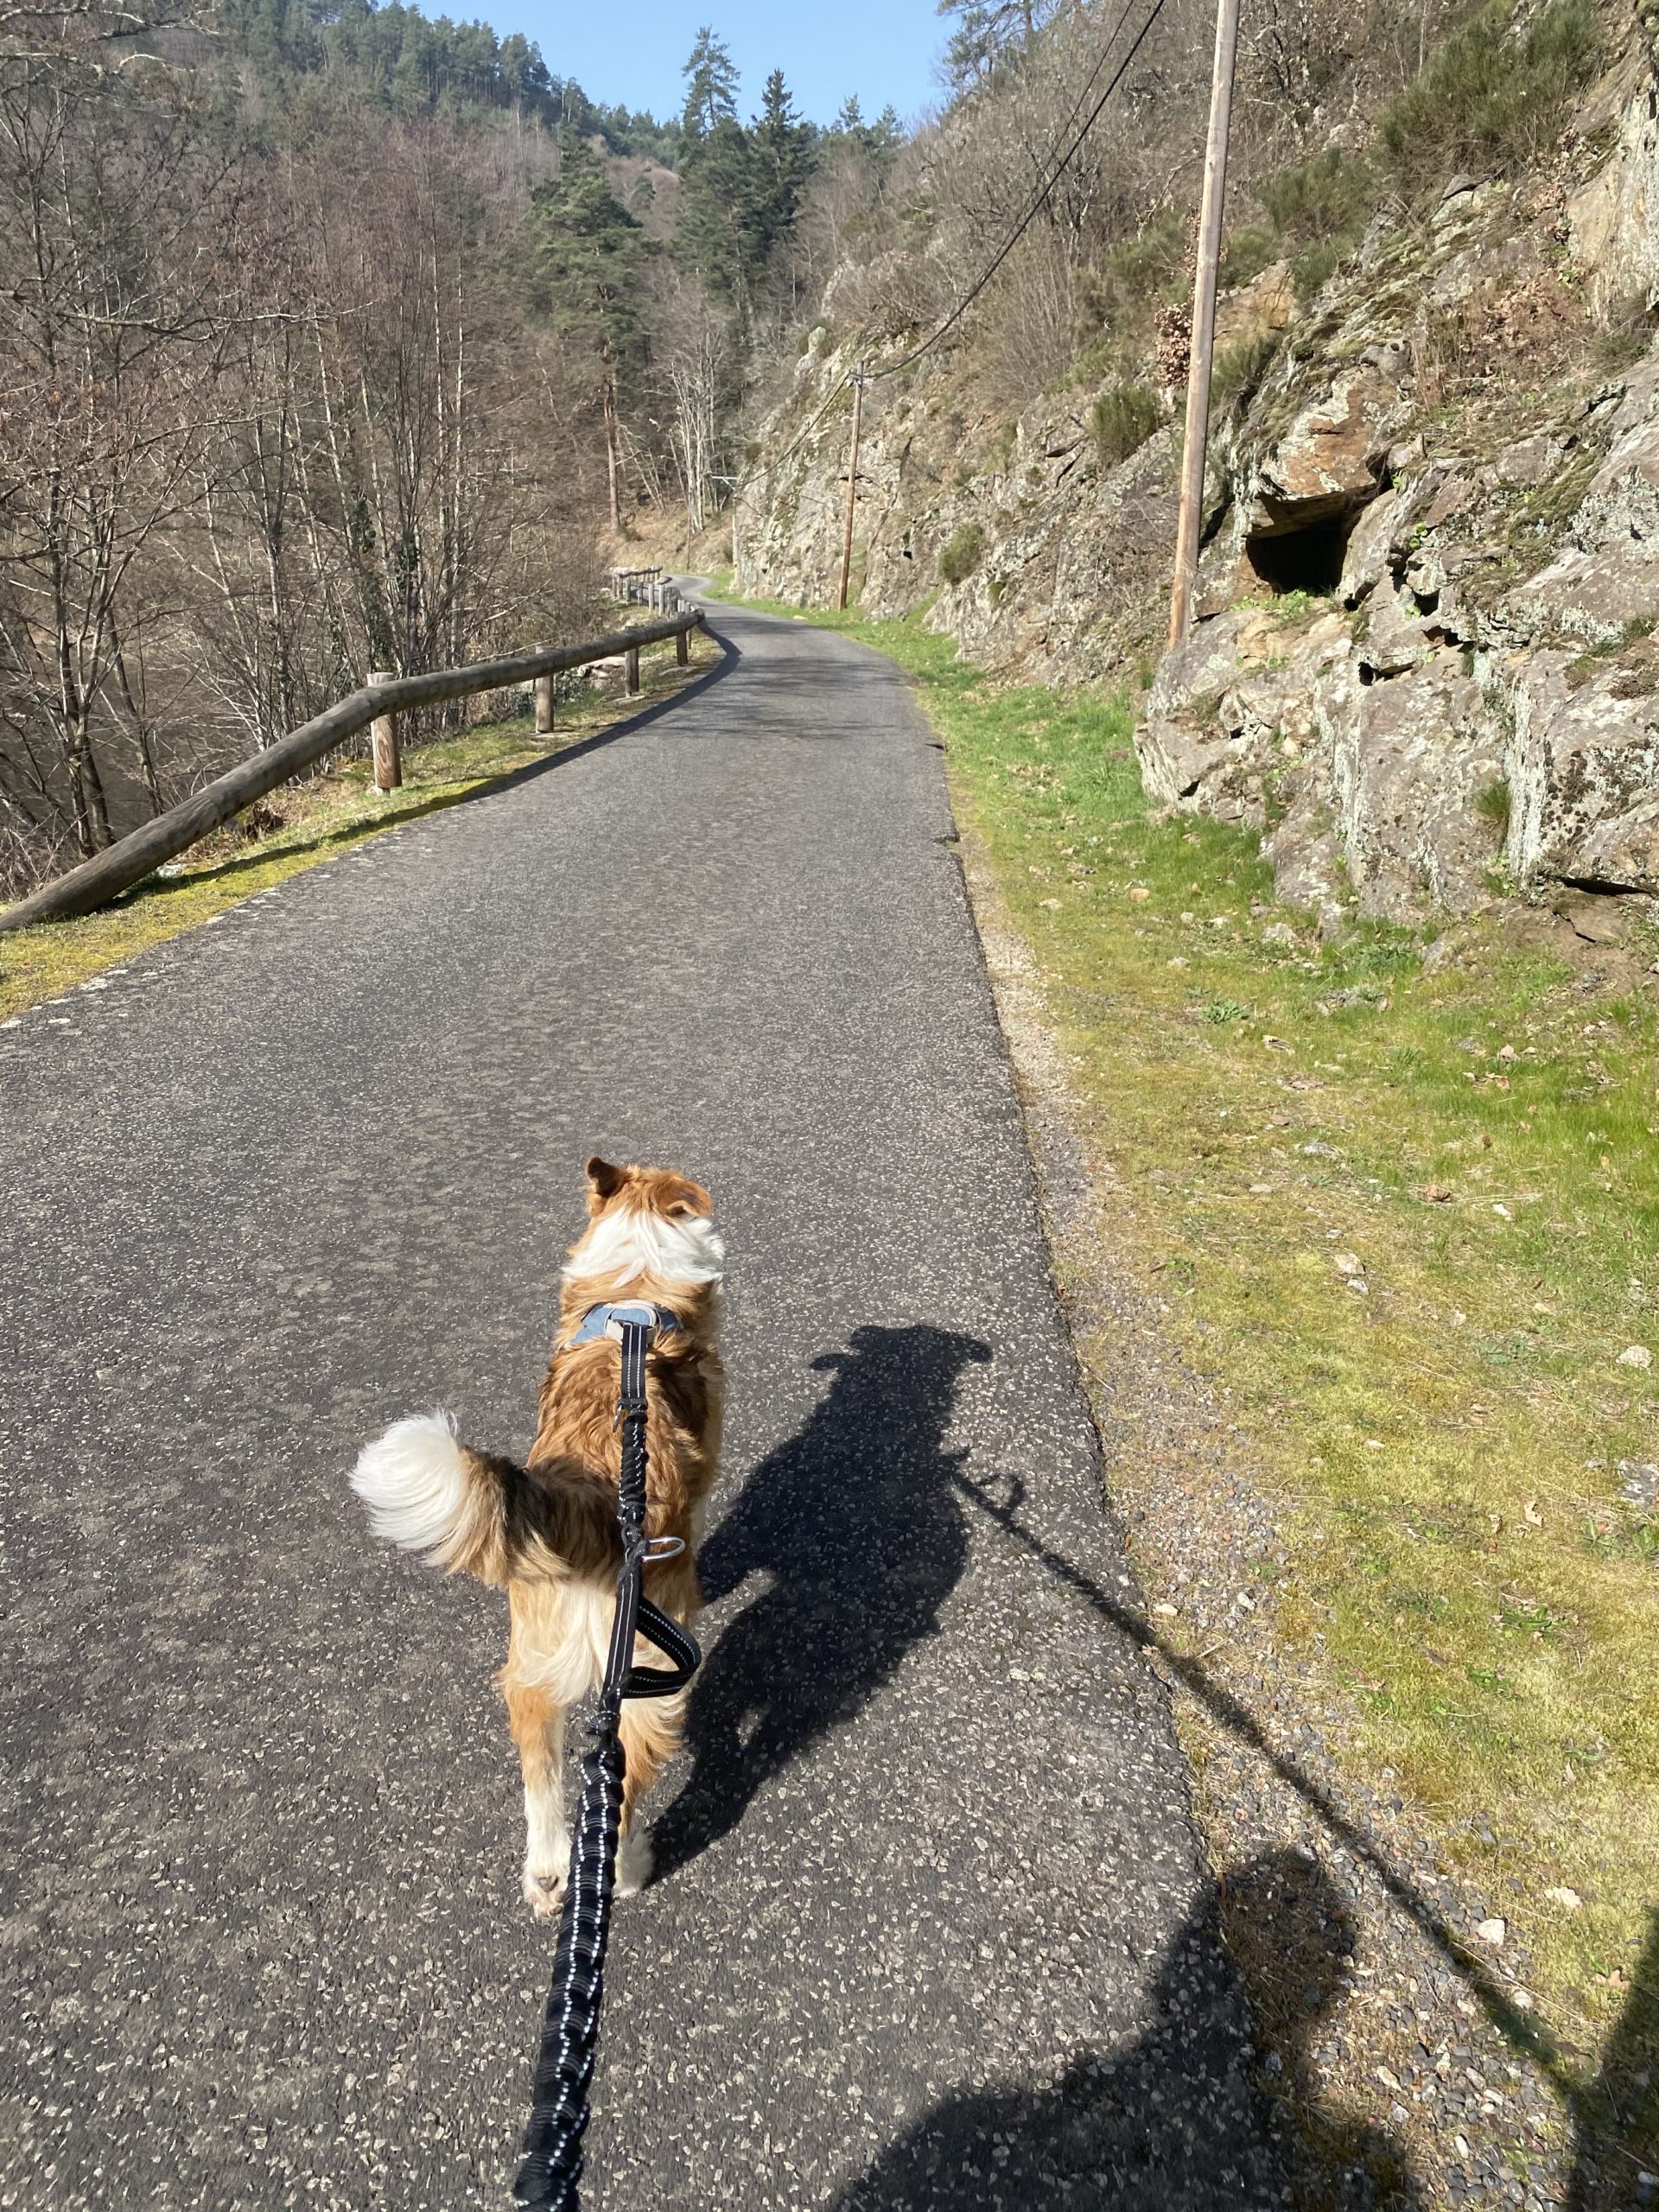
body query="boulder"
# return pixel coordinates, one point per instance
(1259, 309)
(1331, 461)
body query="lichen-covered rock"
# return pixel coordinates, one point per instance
(1422, 668)
(1369, 786)
(1414, 756)
(1583, 770)
(1613, 219)
(1607, 577)
(1330, 462)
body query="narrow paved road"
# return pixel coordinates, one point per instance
(931, 1929)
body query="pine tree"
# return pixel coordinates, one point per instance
(781, 154)
(710, 86)
(878, 139)
(710, 235)
(589, 255)
(989, 31)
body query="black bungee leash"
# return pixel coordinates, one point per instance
(552, 2165)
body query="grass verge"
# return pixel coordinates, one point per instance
(315, 819)
(1403, 1212)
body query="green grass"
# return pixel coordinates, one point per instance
(320, 817)
(1490, 101)
(1121, 420)
(1240, 367)
(1316, 212)
(962, 552)
(1449, 1437)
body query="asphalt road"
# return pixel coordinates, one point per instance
(931, 1929)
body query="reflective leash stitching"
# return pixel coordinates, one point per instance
(548, 2179)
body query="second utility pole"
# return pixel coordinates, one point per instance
(1196, 442)
(852, 485)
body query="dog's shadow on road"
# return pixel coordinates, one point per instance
(857, 1520)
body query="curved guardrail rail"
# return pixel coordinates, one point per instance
(130, 858)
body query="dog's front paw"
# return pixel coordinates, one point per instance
(544, 1889)
(634, 1863)
(544, 1894)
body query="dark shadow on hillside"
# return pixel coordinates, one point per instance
(1173, 2123)
(856, 1522)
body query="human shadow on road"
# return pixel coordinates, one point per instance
(1174, 2122)
(1524, 2032)
(1613, 2108)
(857, 1520)
(1290, 1932)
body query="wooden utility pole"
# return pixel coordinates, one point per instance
(1194, 447)
(852, 485)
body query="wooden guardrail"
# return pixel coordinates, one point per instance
(131, 858)
(647, 588)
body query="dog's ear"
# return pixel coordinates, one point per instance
(691, 1198)
(606, 1180)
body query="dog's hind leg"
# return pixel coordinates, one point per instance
(651, 1728)
(537, 1723)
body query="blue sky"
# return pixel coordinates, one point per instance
(882, 49)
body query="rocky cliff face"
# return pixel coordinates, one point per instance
(1424, 665)
(1070, 553)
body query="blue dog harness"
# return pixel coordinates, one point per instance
(609, 1320)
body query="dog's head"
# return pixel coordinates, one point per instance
(646, 1221)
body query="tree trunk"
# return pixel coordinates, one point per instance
(612, 452)
(141, 737)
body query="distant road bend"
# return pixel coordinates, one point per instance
(931, 1929)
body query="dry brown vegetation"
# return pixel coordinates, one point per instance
(272, 419)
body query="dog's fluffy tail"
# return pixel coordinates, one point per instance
(428, 1491)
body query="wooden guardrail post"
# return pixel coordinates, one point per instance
(543, 705)
(630, 662)
(383, 733)
(681, 651)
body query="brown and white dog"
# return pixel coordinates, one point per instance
(547, 1531)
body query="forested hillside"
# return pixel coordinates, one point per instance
(347, 338)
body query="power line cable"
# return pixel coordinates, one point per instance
(1022, 225)
(802, 437)
(892, 368)
(1089, 85)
